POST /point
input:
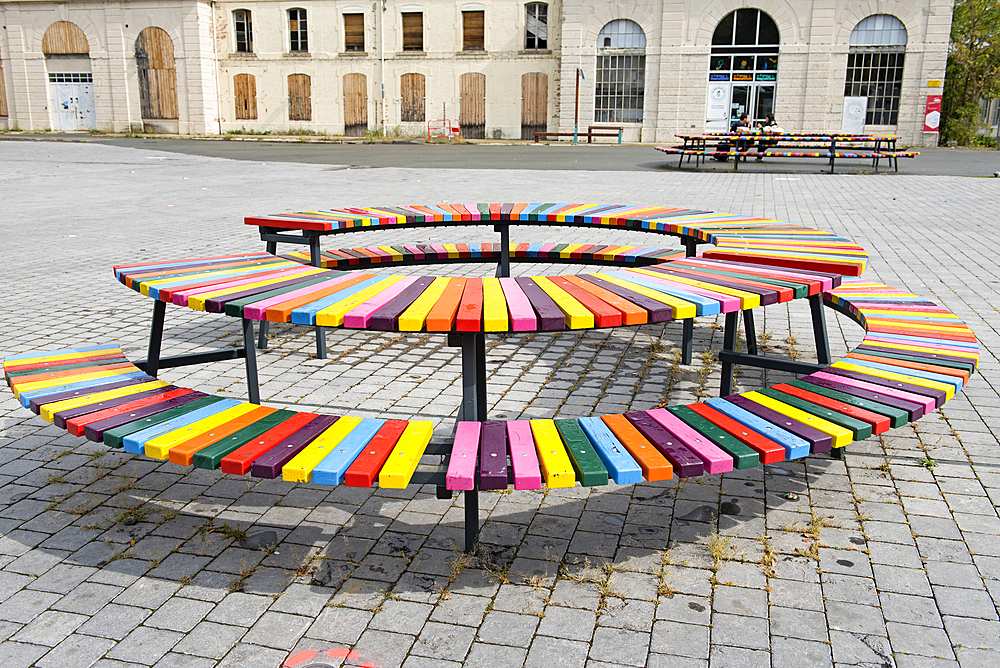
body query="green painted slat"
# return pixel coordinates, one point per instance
(211, 456)
(744, 457)
(861, 429)
(898, 416)
(235, 307)
(589, 469)
(113, 437)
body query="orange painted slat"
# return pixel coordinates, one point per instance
(183, 453)
(442, 316)
(632, 314)
(283, 312)
(653, 464)
(605, 315)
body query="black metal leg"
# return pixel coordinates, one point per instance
(471, 519)
(253, 386)
(473, 408)
(687, 341)
(271, 247)
(837, 453)
(751, 329)
(155, 338)
(320, 343)
(728, 343)
(262, 335)
(316, 259)
(503, 267)
(819, 330)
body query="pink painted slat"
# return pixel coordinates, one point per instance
(545, 249)
(523, 458)
(716, 460)
(729, 302)
(359, 316)
(258, 311)
(180, 298)
(417, 253)
(474, 211)
(944, 344)
(826, 283)
(926, 402)
(522, 316)
(462, 465)
(440, 250)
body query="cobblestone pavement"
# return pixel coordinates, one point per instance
(890, 557)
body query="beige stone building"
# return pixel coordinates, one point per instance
(503, 68)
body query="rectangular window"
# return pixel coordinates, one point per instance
(413, 31)
(243, 30)
(879, 77)
(473, 31)
(354, 32)
(297, 30)
(620, 89)
(536, 26)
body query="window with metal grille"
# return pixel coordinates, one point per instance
(243, 30)
(875, 66)
(474, 31)
(621, 73)
(413, 31)
(354, 32)
(297, 30)
(71, 77)
(536, 26)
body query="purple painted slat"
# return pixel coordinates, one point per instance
(493, 457)
(930, 357)
(818, 441)
(715, 458)
(430, 252)
(938, 396)
(269, 464)
(505, 209)
(926, 402)
(95, 430)
(823, 276)
(359, 316)
(417, 253)
(59, 419)
(658, 311)
(36, 403)
(385, 318)
(915, 411)
(218, 304)
(550, 317)
(523, 455)
(686, 463)
(767, 297)
(464, 451)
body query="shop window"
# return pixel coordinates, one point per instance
(875, 66)
(621, 73)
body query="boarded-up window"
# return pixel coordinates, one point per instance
(299, 97)
(354, 32)
(3, 93)
(243, 27)
(245, 91)
(473, 31)
(472, 112)
(413, 31)
(355, 104)
(534, 103)
(154, 56)
(63, 37)
(412, 87)
(298, 34)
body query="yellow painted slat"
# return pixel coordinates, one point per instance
(494, 306)
(333, 315)
(396, 255)
(299, 469)
(748, 300)
(197, 302)
(949, 390)
(552, 457)
(568, 251)
(405, 456)
(841, 436)
(923, 349)
(48, 411)
(221, 274)
(412, 319)
(159, 447)
(66, 380)
(682, 309)
(452, 250)
(64, 357)
(578, 316)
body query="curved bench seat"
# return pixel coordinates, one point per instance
(914, 357)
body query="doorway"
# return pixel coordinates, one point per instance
(754, 99)
(472, 105)
(534, 103)
(72, 100)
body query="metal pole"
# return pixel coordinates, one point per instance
(819, 330)
(253, 385)
(503, 268)
(473, 408)
(687, 332)
(316, 259)
(155, 338)
(728, 343)
(576, 107)
(381, 50)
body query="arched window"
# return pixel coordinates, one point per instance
(243, 30)
(536, 25)
(298, 35)
(64, 38)
(875, 66)
(745, 51)
(621, 73)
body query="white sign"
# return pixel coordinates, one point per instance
(853, 120)
(718, 107)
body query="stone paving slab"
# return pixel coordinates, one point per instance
(890, 557)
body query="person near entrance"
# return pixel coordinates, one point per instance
(767, 126)
(741, 126)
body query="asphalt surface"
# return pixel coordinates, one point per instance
(523, 155)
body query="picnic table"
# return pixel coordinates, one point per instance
(914, 357)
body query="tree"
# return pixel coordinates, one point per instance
(973, 69)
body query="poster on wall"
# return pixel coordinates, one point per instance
(853, 119)
(718, 106)
(932, 115)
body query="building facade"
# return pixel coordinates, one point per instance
(503, 68)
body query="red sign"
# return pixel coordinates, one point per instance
(932, 116)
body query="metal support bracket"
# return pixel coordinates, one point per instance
(503, 268)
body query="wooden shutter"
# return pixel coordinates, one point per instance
(413, 31)
(245, 92)
(473, 31)
(472, 112)
(354, 32)
(299, 97)
(355, 104)
(154, 55)
(64, 38)
(412, 87)
(534, 103)
(3, 93)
